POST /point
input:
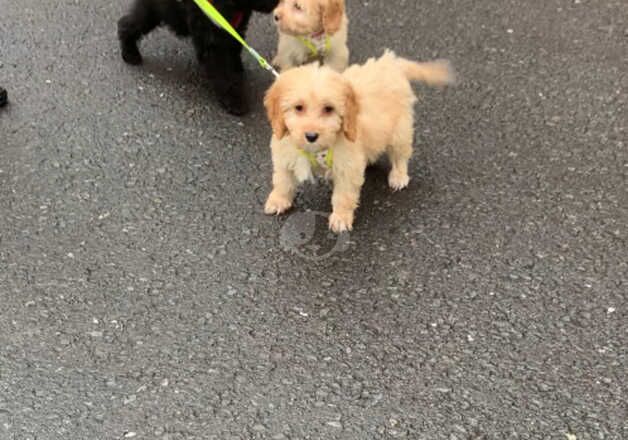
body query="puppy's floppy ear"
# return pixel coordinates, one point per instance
(333, 11)
(350, 117)
(273, 109)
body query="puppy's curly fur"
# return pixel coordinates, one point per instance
(307, 24)
(359, 115)
(218, 53)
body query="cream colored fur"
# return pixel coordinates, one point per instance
(360, 114)
(314, 16)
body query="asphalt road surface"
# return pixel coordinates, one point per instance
(143, 293)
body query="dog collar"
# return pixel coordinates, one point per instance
(318, 44)
(322, 159)
(236, 19)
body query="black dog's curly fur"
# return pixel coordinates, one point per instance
(217, 52)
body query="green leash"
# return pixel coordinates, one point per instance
(217, 18)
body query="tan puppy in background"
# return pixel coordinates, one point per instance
(311, 30)
(335, 124)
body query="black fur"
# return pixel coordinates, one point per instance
(217, 52)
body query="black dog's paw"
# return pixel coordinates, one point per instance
(131, 54)
(233, 100)
(4, 97)
(128, 34)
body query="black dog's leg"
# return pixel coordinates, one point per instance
(4, 97)
(142, 19)
(228, 80)
(220, 58)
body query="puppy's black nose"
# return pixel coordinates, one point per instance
(311, 137)
(276, 17)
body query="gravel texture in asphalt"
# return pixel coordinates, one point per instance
(143, 293)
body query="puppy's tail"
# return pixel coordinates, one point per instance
(434, 73)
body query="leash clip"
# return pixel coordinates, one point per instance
(262, 62)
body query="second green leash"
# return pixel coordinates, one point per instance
(217, 18)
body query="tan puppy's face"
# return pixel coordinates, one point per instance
(312, 105)
(306, 17)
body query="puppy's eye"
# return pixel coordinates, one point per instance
(328, 110)
(298, 7)
(299, 108)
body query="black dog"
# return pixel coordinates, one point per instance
(4, 97)
(216, 50)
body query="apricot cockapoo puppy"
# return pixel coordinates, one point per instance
(332, 124)
(311, 30)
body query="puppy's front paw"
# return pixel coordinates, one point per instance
(398, 180)
(341, 221)
(277, 204)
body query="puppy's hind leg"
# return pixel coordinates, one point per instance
(399, 153)
(142, 19)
